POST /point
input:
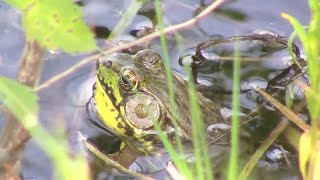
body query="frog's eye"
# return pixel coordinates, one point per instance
(128, 80)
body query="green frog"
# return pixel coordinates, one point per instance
(131, 96)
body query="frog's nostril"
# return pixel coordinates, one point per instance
(104, 62)
(107, 63)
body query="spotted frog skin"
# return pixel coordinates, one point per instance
(131, 95)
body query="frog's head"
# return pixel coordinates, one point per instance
(132, 94)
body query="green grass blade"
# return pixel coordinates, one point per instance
(168, 70)
(292, 54)
(233, 166)
(203, 161)
(297, 26)
(181, 164)
(262, 149)
(311, 44)
(289, 96)
(126, 19)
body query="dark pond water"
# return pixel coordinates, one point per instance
(63, 103)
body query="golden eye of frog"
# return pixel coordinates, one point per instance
(131, 95)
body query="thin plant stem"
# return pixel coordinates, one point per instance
(232, 174)
(181, 165)
(286, 111)
(111, 162)
(126, 19)
(203, 161)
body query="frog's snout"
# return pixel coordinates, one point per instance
(104, 62)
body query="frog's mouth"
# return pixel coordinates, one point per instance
(108, 98)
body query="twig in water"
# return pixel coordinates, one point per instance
(113, 163)
(285, 111)
(144, 39)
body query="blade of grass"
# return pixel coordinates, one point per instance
(167, 144)
(167, 69)
(298, 27)
(199, 136)
(232, 173)
(268, 141)
(195, 109)
(203, 162)
(181, 164)
(285, 111)
(196, 137)
(311, 47)
(289, 96)
(264, 146)
(290, 48)
(311, 44)
(126, 18)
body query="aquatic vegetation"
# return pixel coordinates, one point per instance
(53, 25)
(309, 142)
(62, 28)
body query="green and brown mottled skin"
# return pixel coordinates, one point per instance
(149, 73)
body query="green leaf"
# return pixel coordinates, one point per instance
(21, 5)
(315, 7)
(304, 152)
(316, 172)
(19, 99)
(22, 102)
(57, 24)
(289, 96)
(297, 26)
